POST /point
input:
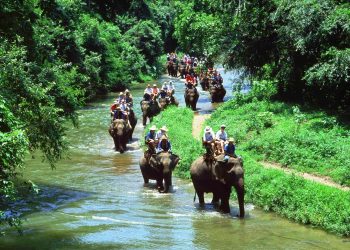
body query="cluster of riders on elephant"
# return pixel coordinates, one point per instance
(123, 120)
(155, 100)
(212, 81)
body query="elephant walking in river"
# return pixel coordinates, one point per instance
(217, 176)
(120, 131)
(191, 98)
(217, 93)
(159, 167)
(149, 109)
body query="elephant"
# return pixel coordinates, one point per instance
(163, 103)
(149, 109)
(120, 131)
(191, 97)
(217, 176)
(217, 93)
(159, 167)
(172, 68)
(204, 83)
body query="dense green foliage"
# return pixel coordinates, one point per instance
(304, 44)
(54, 55)
(182, 144)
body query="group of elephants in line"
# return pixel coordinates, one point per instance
(214, 175)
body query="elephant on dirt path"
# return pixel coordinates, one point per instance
(159, 167)
(217, 176)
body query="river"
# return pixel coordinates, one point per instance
(96, 200)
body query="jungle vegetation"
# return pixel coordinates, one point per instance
(57, 54)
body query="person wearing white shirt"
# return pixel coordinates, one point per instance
(221, 138)
(209, 139)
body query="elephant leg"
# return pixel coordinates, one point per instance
(160, 186)
(240, 195)
(215, 200)
(144, 120)
(225, 206)
(115, 144)
(145, 179)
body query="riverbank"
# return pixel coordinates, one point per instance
(289, 195)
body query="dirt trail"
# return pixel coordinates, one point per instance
(197, 128)
(325, 180)
(197, 125)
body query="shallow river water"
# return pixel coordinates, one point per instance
(96, 200)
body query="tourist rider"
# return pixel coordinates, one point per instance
(221, 138)
(208, 140)
(151, 140)
(120, 97)
(117, 113)
(155, 91)
(162, 131)
(171, 88)
(230, 149)
(162, 93)
(148, 89)
(128, 99)
(164, 145)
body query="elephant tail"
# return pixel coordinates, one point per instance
(194, 198)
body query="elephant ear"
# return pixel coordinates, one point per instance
(174, 160)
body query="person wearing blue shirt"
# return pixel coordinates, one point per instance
(230, 149)
(151, 139)
(164, 145)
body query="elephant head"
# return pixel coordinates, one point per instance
(164, 163)
(231, 173)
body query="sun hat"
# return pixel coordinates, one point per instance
(223, 126)
(163, 137)
(207, 129)
(154, 85)
(121, 93)
(153, 128)
(127, 91)
(231, 140)
(164, 128)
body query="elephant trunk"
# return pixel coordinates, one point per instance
(240, 195)
(167, 182)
